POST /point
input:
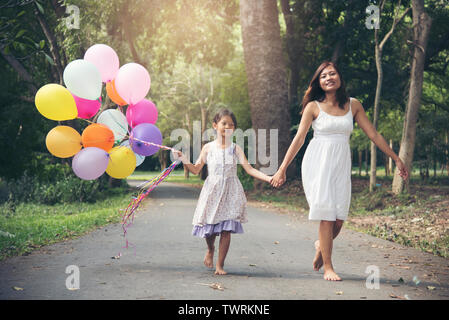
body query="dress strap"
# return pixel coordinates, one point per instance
(318, 105)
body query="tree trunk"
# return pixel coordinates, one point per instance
(21, 71)
(163, 158)
(421, 30)
(387, 168)
(390, 161)
(366, 162)
(447, 153)
(435, 166)
(294, 51)
(204, 115)
(267, 77)
(360, 163)
(378, 54)
(130, 37)
(52, 44)
(372, 178)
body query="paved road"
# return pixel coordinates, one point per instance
(271, 260)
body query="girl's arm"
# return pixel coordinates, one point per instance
(304, 126)
(199, 164)
(367, 127)
(248, 168)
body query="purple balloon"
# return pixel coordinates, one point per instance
(145, 132)
(90, 163)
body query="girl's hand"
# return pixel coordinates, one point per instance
(178, 155)
(278, 179)
(403, 172)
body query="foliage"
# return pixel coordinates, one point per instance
(26, 226)
(55, 183)
(201, 41)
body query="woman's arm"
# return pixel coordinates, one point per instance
(199, 164)
(367, 127)
(304, 126)
(248, 168)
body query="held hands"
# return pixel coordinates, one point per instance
(278, 179)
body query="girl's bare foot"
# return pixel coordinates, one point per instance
(219, 270)
(318, 260)
(330, 275)
(209, 258)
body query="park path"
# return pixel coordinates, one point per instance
(271, 260)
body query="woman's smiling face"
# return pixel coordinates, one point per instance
(225, 126)
(329, 79)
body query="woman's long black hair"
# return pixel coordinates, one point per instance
(315, 92)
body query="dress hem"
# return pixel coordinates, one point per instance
(208, 230)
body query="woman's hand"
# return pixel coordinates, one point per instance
(403, 172)
(278, 179)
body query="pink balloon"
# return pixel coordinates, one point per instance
(86, 108)
(132, 82)
(143, 112)
(105, 59)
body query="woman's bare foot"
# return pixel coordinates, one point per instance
(330, 275)
(209, 258)
(219, 270)
(318, 260)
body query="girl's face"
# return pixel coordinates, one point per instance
(329, 79)
(225, 126)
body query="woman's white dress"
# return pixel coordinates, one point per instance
(326, 167)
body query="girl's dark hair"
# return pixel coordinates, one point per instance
(225, 112)
(315, 92)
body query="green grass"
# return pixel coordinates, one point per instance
(27, 226)
(380, 172)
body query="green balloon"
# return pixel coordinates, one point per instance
(83, 79)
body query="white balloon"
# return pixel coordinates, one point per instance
(116, 121)
(83, 79)
(139, 158)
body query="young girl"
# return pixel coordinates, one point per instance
(326, 166)
(221, 206)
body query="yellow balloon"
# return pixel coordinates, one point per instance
(122, 162)
(55, 102)
(63, 141)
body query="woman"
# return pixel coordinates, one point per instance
(326, 166)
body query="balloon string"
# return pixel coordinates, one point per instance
(135, 139)
(148, 186)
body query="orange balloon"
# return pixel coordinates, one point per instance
(63, 141)
(98, 135)
(112, 93)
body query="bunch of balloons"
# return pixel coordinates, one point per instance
(118, 141)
